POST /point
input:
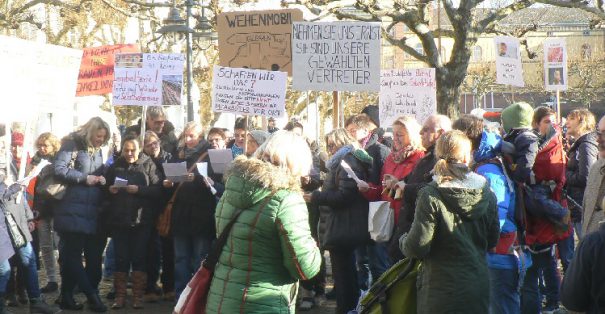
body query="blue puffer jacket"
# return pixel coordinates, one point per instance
(79, 209)
(488, 165)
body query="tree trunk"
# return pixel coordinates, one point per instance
(448, 98)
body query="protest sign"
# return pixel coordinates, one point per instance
(148, 79)
(336, 56)
(96, 70)
(509, 70)
(38, 77)
(248, 91)
(410, 92)
(257, 39)
(555, 64)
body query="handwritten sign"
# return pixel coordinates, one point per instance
(343, 56)
(509, 70)
(96, 70)
(248, 91)
(411, 92)
(555, 64)
(37, 77)
(257, 39)
(148, 79)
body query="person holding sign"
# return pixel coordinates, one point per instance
(130, 217)
(192, 223)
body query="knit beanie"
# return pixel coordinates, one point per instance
(517, 115)
(372, 112)
(259, 136)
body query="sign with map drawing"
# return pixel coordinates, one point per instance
(411, 92)
(257, 39)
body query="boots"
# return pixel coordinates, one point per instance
(139, 283)
(38, 305)
(66, 301)
(95, 304)
(119, 284)
(3, 309)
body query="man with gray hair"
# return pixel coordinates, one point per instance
(432, 129)
(594, 195)
(156, 122)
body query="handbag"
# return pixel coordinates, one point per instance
(381, 221)
(51, 187)
(17, 237)
(195, 296)
(165, 218)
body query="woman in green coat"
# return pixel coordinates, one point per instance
(270, 246)
(455, 224)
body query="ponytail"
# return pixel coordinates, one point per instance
(451, 148)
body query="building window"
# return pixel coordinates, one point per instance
(419, 48)
(586, 52)
(477, 54)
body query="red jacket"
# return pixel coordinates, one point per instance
(400, 171)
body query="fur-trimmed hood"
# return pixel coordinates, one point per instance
(249, 180)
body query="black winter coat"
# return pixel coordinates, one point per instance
(167, 137)
(194, 206)
(526, 143)
(581, 156)
(129, 210)
(379, 153)
(79, 209)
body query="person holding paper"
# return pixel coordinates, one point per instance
(239, 137)
(130, 218)
(339, 195)
(217, 138)
(407, 151)
(192, 223)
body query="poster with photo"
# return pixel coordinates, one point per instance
(509, 69)
(555, 64)
(148, 79)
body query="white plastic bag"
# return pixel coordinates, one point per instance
(381, 221)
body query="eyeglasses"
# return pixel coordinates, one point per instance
(152, 144)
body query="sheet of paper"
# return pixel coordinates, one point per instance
(175, 172)
(121, 183)
(220, 159)
(202, 168)
(35, 172)
(349, 171)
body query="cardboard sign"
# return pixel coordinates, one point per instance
(555, 64)
(148, 79)
(257, 39)
(96, 70)
(509, 70)
(411, 92)
(37, 77)
(247, 91)
(336, 56)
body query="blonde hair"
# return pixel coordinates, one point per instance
(87, 131)
(50, 138)
(150, 135)
(586, 120)
(190, 126)
(341, 138)
(412, 127)
(451, 149)
(286, 149)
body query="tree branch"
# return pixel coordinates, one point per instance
(403, 46)
(491, 21)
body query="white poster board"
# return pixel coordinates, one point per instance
(37, 77)
(509, 70)
(411, 92)
(148, 79)
(249, 91)
(555, 64)
(336, 56)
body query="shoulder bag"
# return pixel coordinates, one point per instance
(51, 187)
(195, 296)
(165, 218)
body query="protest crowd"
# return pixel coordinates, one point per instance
(482, 212)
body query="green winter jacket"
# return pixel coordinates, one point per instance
(268, 249)
(455, 224)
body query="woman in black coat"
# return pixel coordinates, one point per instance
(134, 187)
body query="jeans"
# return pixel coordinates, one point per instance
(189, 251)
(380, 261)
(154, 259)
(345, 279)
(73, 273)
(109, 264)
(364, 278)
(504, 291)
(47, 248)
(531, 300)
(130, 248)
(566, 249)
(27, 258)
(167, 277)
(5, 273)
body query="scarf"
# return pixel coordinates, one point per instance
(236, 151)
(338, 155)
(402, 154)
(186, 152)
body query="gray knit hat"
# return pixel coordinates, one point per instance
(259, 136)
